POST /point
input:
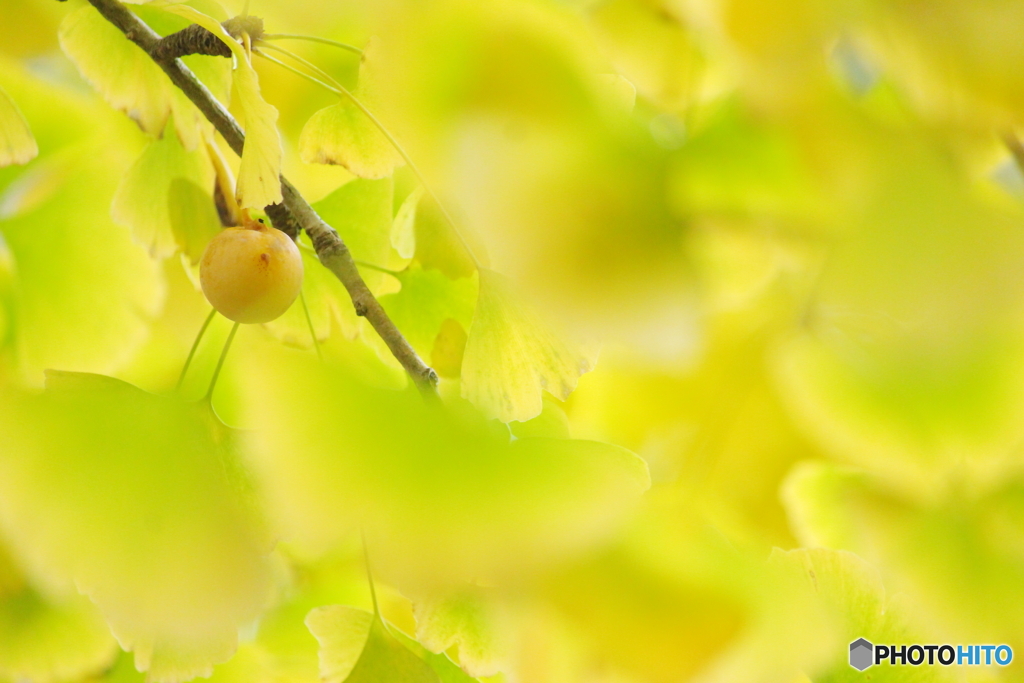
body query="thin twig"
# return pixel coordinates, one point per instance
(294, 212)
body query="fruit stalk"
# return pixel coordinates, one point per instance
(294, 212)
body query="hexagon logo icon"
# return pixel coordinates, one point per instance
(861, 654)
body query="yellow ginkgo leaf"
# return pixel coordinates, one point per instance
(17, 146)
(470, 619)
(44, 640)
(141, 503)
(403, 229)
(144, 200)
(357, 647)
(344, 135)
(259, 174)
(512, 355)
(127, 78)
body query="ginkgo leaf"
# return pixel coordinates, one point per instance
(466, 619)
(17, 146)
(427, 299)
(852, 594)
(52, 638)
(449, 349)
(193, 217)
(360, 210)
(127, 78)
(83, 292)
(438, 246)
(141, 502)
(512, 356)
(259, 174)
(344, 135)
(47, 640)
(552, 422)
(356, 647)
(403, 229)
(144, 200)
(441, 484)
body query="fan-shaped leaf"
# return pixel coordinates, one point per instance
(139, 500)
(259, 174)
(144, 200)
(512, 356)
(344, 135)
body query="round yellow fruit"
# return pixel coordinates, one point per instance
(251, 274)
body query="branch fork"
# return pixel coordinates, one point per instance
(293, 213)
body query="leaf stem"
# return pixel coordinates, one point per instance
(309, 322)
(382, 269)
(192, 351)
(295, 71)
(313, 39)
(220, 362)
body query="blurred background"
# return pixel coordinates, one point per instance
(730, 335)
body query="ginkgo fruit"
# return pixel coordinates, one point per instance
(251, 274)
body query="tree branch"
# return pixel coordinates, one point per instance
(294, 212)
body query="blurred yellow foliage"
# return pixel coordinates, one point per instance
(725, 297)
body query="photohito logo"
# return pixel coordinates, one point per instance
(863, 654)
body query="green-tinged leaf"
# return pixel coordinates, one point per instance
(552, 422)
(512, 356)
(468, 620)
(127, 78)
(447, 670)
(259, 174)
(852, 595)
(46, 640)
(17, 146)
(427, 299)
(193, 217)
(437, 244)
(955, 559)
(449, 349)
(356, 647)
(403, 229)
(344, 135)
(141, 502)
(83, 292)
(144, 200)
(360, 211)
(437, 483)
